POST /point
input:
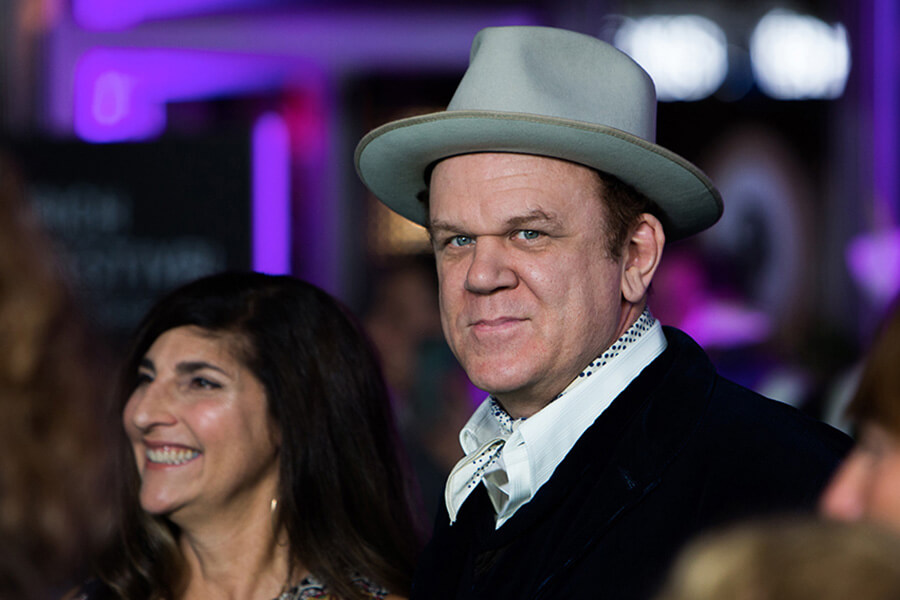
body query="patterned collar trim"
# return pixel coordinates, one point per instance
(634, 333)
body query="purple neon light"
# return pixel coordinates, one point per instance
(271, 196)
(113, 101)
(874, 261)
(886, 107)
(120, 94)
(121, 14)
(122, 80)
(722, 323)
(873, 257)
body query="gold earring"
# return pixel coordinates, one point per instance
(273, 505)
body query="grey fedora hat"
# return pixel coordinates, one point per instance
(548, 92)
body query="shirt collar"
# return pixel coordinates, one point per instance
(538, 444)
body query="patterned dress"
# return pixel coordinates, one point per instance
(308, 589)
(312, 589)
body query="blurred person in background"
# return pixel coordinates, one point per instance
(400, 317)
(789, 558)
(867, 484)
(54, 508)
(430, 391)
(261, 459)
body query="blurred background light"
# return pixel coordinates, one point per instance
(271, 196)
(112, 97)
(874, 261)
(720, 323)
(686, 55)
(798, 57)
(121, 93)
(119, 14)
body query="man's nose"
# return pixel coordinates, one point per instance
(844, 497)
(491, 268)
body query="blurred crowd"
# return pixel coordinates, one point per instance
(54, 426)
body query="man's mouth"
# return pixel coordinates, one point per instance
(497, 323)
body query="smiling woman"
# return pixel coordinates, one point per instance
(260, 458)
(204, 443)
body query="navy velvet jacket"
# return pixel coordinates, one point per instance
(680, 450)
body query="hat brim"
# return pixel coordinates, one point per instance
(393, 160)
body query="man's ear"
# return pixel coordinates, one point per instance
(641, 256)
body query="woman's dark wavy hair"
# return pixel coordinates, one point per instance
(344, 490)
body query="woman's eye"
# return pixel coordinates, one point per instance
(528, 234)
(143, 378)
(460, 240)
(204, 383)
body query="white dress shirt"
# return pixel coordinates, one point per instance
(514, 458)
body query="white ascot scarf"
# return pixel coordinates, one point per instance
(515, 457)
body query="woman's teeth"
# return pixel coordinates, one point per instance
(171, 456)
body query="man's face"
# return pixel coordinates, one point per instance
(528, 293)
(867, 485)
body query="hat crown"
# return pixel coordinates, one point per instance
(557, 73)
(546, 92)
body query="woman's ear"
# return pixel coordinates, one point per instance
(641, 257)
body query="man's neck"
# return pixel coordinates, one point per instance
(521, 406)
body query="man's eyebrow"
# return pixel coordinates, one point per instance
(438, 225)
(530, 218)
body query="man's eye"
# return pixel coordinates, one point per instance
(528, 234)
(460, 240)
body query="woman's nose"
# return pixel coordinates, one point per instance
(149, 406)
